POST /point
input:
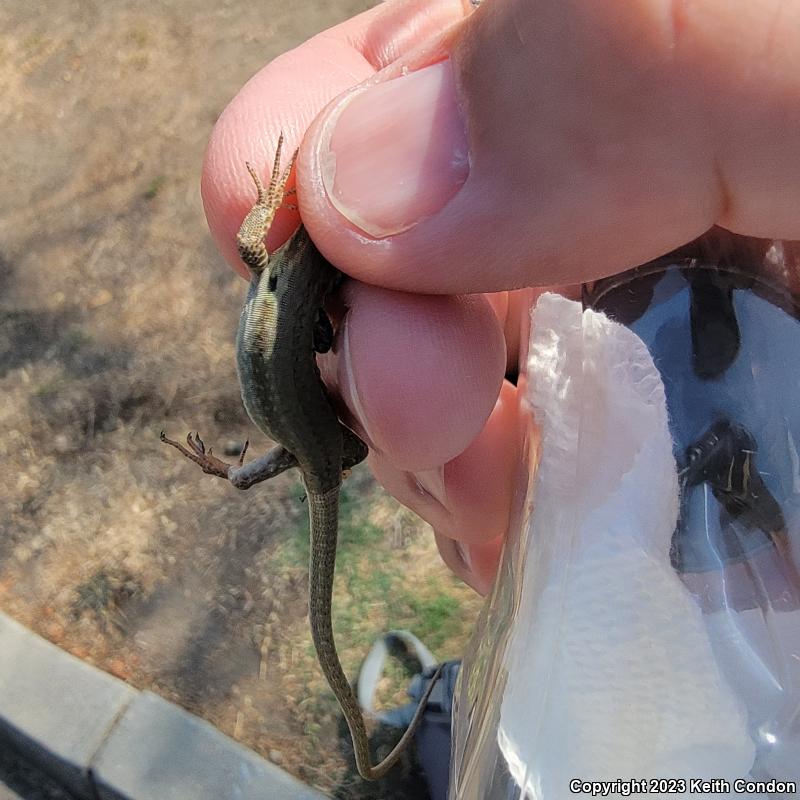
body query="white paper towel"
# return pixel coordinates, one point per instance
(610, 671)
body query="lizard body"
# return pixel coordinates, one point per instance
(282, 326)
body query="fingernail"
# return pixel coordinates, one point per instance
(464, 554)
(348, 385)
(397, 151)
(431, 482)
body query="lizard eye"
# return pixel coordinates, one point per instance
(272, 283)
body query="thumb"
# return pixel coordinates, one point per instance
(554, 142)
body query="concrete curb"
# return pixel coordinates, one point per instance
(103, 739)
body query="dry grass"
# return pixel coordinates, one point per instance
(116, 319)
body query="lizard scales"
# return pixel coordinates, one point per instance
(282, 326)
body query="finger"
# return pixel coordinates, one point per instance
(419, 374)
(467, 500)
(475, 563)
(560, 142)
(289, 92)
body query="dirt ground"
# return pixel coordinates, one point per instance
(116, 320)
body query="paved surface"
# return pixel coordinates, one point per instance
(103, 739)
(20, 781)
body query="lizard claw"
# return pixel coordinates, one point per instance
(196, 451)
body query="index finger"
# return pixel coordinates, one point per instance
(287, 94)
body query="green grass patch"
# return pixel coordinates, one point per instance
(154, 187)
(378, 587)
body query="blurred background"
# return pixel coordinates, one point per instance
(117, 319)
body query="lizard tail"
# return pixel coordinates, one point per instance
(324, 514)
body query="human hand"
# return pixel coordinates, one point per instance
(530, 144)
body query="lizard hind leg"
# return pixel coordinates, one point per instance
(267, 466)
(195, 450)
(354, 450)
(241, 475)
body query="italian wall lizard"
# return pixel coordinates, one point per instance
(282, 325)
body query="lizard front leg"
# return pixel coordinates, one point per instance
(241, 475)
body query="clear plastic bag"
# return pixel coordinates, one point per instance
(645, 624)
